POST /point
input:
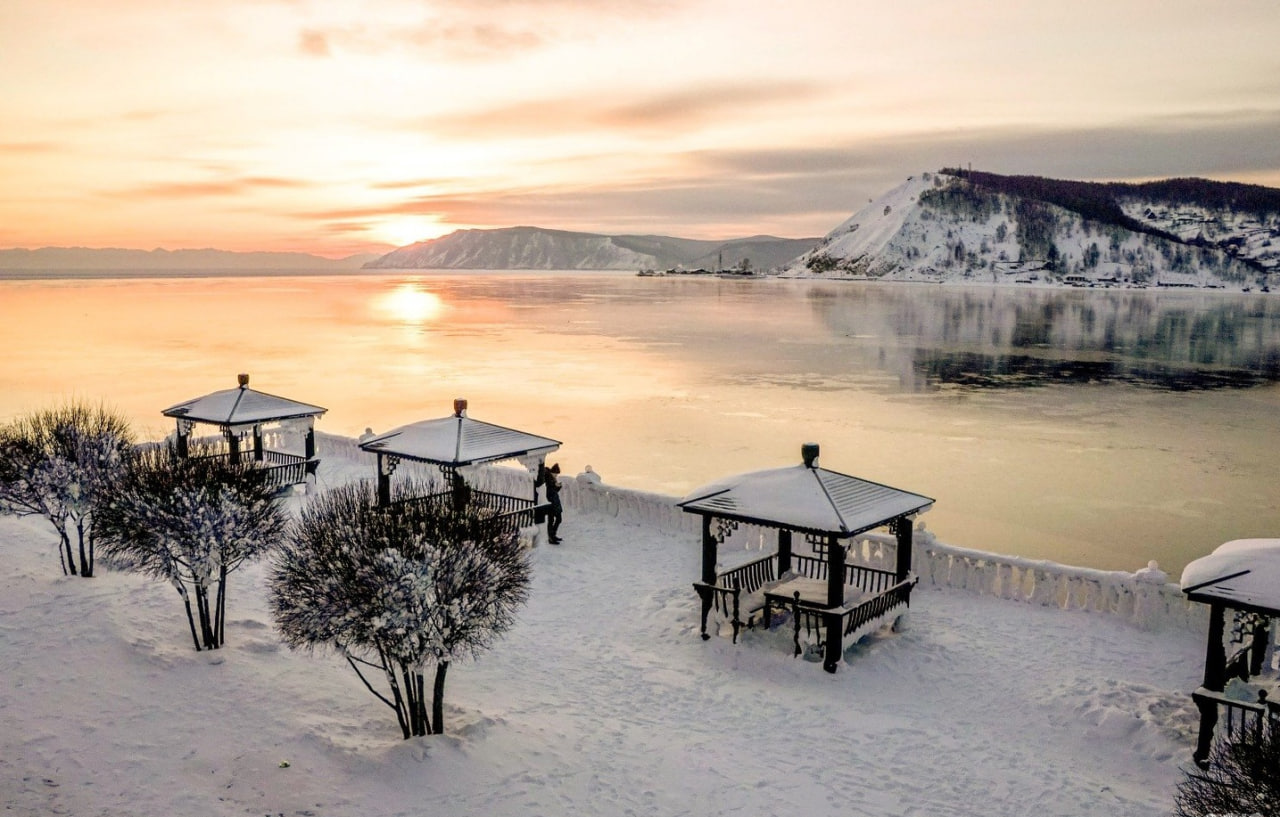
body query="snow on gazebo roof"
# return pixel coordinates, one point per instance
(805, 498)
(240, 406)
(458, 440)
(1242, 574)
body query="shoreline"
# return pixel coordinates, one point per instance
(106, 274)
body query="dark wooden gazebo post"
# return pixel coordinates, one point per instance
(835, 600)
(233, 445)
(1215, 679)
(784, 550)
(257, 442)
(386, 467)
(309, 442)
(709, 548)
(709, 555)
(183, 437)
(902, 530)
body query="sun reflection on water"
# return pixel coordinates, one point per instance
(409, 303)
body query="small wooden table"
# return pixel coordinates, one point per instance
(813, 594)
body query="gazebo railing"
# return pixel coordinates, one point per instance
(752, 575)
(1236, 720)
(867, 579)
(280, 468)
(513, 510)
(725, 601)
(286, 469)
(725, 596)
(878, 605)
(812, 620)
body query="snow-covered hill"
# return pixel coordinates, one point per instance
(938, 227)
(87, 258)
(537, 248)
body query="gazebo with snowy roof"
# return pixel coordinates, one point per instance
(454, 443)
(244, 414)
(1242, 576)
(826, 593)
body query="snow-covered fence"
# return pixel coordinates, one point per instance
(586, 494)
(1144, 598)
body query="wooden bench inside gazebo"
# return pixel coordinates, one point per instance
(1242, 578)
(827, 595)
(453, 444)
(244, 417)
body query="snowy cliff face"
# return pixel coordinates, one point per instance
(943, 229)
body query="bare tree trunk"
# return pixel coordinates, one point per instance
(206, 624)
(70, 556)
(402, 711)
(86, 566)
(437, 698)
(91, 559)
(186, 602)
(415, 686)
(62, 558)
(220, 618)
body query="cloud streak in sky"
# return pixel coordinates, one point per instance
(274, 122)
(784, 189)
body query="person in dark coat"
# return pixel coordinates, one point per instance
(550, 477)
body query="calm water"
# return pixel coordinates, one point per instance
(1097, 428)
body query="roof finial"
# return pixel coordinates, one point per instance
(243, 380)
(809, 453)
(459, 407)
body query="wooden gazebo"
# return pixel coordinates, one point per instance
(1243, 577)
(452, 443)
(831, 595)
(243, 415)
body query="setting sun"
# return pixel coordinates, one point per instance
(404, 230)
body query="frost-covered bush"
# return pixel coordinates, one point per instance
(191, 521)
(57, 463)
(1242, 777)
(398, 589)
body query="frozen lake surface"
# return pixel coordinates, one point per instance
(1100, 428)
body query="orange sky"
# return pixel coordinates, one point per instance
(338, 127)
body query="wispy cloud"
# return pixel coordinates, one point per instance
(209, 188)
(680, 109)
(18, 148)
(446, 40)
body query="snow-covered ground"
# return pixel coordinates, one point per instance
(601, 701)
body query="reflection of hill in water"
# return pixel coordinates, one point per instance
(1004, 338)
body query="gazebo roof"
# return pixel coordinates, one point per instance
(458, 440)
(805, 498)
(241, 406)
(1242, 574)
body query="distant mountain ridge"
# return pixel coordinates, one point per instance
(87, 258)
(540, 248)
(969, 226)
